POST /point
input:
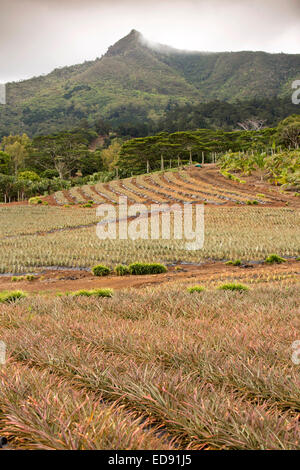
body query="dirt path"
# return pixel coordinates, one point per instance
(53, 281)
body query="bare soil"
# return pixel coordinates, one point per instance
(53, 281)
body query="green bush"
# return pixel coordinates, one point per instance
(147, 268)
(273, 258)
(121, 270)
(195, 289)
(17, 278)
(94, 293)
(35, 200)
(237, 262)
(234, 287)
(100, 270)
(29, 175)
(50, 174)
(11, 296)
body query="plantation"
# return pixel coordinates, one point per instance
(206, 186)
(150, 231)
(248, 233)
(200, 367)
(143, 344)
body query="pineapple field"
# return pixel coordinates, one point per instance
(198, 356)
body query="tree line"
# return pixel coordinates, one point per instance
(58, 161)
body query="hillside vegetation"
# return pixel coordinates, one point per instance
(136, 83)
(56, 162)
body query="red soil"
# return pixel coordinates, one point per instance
(53, 281)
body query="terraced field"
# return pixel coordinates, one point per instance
(193, 185)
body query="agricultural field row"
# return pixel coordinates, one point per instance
(66, 237)
(26, 220)
(206, 185)
(211, 369)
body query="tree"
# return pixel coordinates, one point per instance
(102, 127)
(66, 152)
(111, 154)
(252, 124)
(288, 131)
(16, 146)
(188, 142)
(166, 149)
(5, 163)
(139, 154)
(28, 176)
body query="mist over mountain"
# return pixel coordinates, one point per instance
(136, 81)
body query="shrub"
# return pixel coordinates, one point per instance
(11, 296)
(237, 262)
(147, 268)
(121, 270)
(88, 204)
(17, 278)
(195, 289)
(273, 258)
(100, 270)
(178, 268)
(50, 174)
(94, 292)
(29, 277)
(35, 200)
(29, 176)
(232, 286)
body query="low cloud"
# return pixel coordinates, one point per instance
(37, 36)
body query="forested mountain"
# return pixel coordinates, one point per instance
(135, 82)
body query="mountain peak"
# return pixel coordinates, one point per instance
(135, 33)
(130, 41)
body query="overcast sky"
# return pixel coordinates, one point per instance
(38, 35)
